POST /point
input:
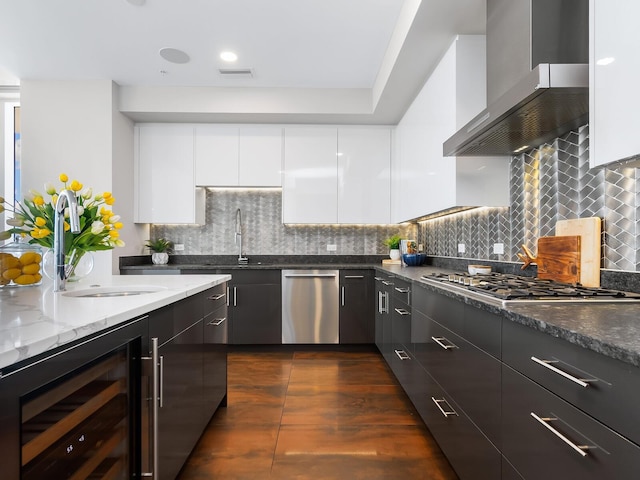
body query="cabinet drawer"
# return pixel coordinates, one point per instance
(470, 453)
(543, 437)
(609, 388)
(444, 310)
(215, 298)
(402, 291)
(469, 375)
(216, 326)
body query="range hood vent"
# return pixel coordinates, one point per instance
(550, 101)
(537, 54)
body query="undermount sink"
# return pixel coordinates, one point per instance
(109, 292)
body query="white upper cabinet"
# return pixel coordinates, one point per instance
(336, 175)
(164, 175)
(423, 180)
(364, 163)
(614, 75)
(309, 185)
(232, 155)
(216, 153)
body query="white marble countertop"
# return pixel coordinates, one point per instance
(34, 320)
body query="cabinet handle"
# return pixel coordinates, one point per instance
(384, 282)
(217, 297)
(235, 297)
(386, 302)
(311, 275)
(161, 398)
(402, 355)
(217, 322)
(380, 297)
(545, 421)
(403, 290)
(354, 276)
(583, 382)
(450, 411)
(155, 363)
(228, 296)
(439, 341)
(377, 278)
(402, 311)
(342, 296)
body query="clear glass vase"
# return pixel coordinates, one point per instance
(82, 264)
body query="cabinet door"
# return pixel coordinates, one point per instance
(164, 163)
(614, 71)
(364, 166)
(260, 156)
(216, 154)
(545, 437)
(310, 187)
(356, 306)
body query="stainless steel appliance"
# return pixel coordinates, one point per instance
(310, 306)
(537, 77)
(505, 289)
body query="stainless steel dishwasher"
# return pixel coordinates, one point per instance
(310, 307)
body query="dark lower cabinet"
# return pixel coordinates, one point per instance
(254, 300)
(356, 307)
(546, 437)
(191, 336)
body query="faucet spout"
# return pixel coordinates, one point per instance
(61, 273)
(241, 260)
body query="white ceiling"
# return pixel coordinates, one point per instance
(384, 48)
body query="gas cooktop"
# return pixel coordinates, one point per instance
(507, 289)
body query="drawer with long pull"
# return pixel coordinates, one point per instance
(215, 298)
(469, 375)
(546, 437)
(605, 388)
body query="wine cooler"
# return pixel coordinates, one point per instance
(78, 426)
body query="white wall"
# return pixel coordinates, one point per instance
(67, 127)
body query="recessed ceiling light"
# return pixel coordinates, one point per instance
(606, 61)
(228, 56)
(137, 2)
(174, 55)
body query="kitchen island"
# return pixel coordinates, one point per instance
(116, 376)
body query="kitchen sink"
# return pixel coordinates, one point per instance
(110, 292)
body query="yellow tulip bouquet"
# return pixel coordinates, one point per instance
(34, 217)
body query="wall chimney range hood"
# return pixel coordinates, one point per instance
(537, 77)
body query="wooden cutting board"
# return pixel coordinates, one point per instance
(559, 258)
(590, 232)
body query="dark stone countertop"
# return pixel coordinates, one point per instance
(612, 329)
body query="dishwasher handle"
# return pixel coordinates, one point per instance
(310, 275)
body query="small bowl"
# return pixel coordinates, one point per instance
(413, 259)
(478, 269)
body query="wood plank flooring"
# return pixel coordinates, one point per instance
(315, 415)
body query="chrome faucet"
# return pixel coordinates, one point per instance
(241, 260)
(60, 269)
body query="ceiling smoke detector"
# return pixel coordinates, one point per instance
(236, 72)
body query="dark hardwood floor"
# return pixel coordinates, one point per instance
(315, 415)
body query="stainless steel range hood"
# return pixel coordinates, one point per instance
(536, 104)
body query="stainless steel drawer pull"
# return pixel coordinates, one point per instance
(161, 397)
(545, 421)
(386, 302)
(403, 290)
(216, 322)
(449, 411)
(402, 311)
(217, 297)
(377, 278)
(354, 276)
(384, 282)
(583, 382)
(402, 355)
(440, 340)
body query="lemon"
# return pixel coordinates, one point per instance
(31, 268)
(25, 280)
(11, 273)
(28, 258)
